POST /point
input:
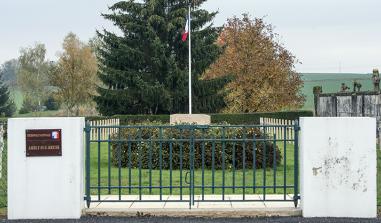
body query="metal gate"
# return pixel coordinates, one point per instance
(184, 163)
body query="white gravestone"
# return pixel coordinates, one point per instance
(45, 187)
(338, 167)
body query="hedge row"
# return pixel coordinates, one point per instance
(254, 118)
(144, 148)
(233, 119)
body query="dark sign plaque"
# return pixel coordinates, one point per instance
(43, 142)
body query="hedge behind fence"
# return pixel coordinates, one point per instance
(233, 119)
(253, 119)
(147, 153)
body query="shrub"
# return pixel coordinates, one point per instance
(9, 110)
(52, 104)
(26, 107)
(144, 146)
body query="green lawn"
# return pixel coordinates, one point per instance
(229, 174)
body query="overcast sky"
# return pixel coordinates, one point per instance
(325, 35)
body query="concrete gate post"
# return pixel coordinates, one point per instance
(45, 168)
(338, 167)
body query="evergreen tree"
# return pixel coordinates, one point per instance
(145, 71)
(7, 106)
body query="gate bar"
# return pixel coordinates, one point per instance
(296, 161)
(87, 131)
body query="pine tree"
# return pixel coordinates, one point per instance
(7, 106)
(145, 71)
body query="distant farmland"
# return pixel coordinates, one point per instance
(331, 83)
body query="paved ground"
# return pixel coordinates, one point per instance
(211, 206)
(137, 215)
(201, 220)
(171, 201)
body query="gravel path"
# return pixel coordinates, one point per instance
(202, 220)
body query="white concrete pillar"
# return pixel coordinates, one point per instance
(338, 167)
(45, 187)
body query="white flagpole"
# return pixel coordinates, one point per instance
(190, 60)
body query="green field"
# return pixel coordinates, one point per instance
(331, 83)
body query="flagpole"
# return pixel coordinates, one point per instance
(190, 59)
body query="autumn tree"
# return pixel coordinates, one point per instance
(75, 77)
(263, 69)
(32, 76)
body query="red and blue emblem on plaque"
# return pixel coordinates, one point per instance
(56, 135)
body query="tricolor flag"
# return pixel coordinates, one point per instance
(186, 32)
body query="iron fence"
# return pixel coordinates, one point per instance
(186, 161)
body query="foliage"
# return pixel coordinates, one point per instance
(8, 71)
(52, 104)
(25, 109)
(137, 143)
(32, 76)
(145, 70)
(254, 118)
(75, 77)
(9, 110)
(263, 70)
(233, 119)
(28, 105)
(7, 106)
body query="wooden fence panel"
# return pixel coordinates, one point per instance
(103, 133)
(279, 131)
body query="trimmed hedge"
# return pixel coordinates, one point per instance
(254, 118)
(143, 148)
(233, 119)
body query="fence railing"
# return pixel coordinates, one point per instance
(277, 128)
(104, 133)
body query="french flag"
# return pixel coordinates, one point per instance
(186, 32)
